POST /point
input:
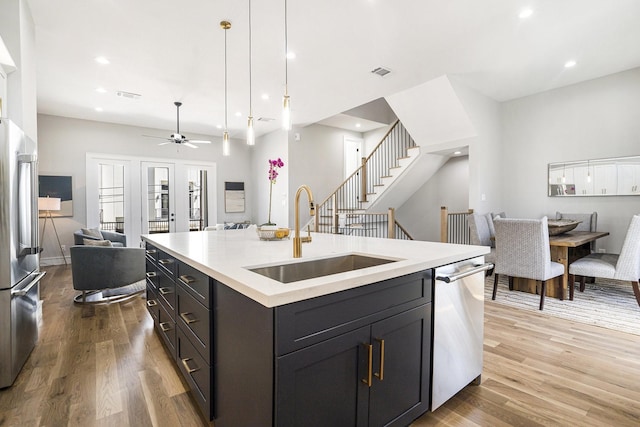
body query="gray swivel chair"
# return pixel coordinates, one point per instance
(107, 274)
(117, 239)
(522, 250)
(480, 235)
(623, 266)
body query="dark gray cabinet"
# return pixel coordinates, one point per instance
(359, 357)
(375, 375)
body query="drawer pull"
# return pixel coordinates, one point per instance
(369, 348)
(380, 374)
(165, 291)
(152, 303)
(165, 326)
(185, 317)
(165, 261)
(151, 274)
(185, 363)
(187, 279)
(151, 251)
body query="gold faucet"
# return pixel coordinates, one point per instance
(297, 240)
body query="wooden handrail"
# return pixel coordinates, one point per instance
(382, 140)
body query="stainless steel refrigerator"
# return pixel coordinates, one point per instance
(19, 250)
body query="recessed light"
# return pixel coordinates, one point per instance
(357, 125)
(291, 55)
(218, 126)
(238, 114)
(265, 96)
(99, 109)
(525, 13)
(457, 152)
(570, 64)
(102, 60)
(101, 90)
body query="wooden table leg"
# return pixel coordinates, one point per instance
(561, 254)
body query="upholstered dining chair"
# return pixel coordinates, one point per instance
(588, 222)
(522, 250)
(624, 266)
(479, 235)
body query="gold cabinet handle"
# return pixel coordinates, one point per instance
(165, 326)
(380, 374)
(151, 274)
(187, 279)
(151, 251)
(152, 303)
(185, 363)
(185, 317)
(369, 348)
(165, 261)
(164, 291)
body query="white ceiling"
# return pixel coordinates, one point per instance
(174, 51)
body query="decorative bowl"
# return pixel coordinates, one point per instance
(559, 226)
(272, 233)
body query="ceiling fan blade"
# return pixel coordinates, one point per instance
(189, 145)
(164, 143)
(161, 137)
(199, 141)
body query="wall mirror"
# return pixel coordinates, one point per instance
(599, 177)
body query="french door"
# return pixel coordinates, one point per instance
(158, 197)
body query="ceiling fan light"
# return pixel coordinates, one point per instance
(286, 113)
(251, 136)
(226, 146)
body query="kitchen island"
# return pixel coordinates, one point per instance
(352, 348)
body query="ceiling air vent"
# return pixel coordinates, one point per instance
(381, 71)
(128, 94)
(265, 119)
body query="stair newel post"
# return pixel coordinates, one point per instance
(363, 181)
(443, 224)
(334, 217)
(391, 224)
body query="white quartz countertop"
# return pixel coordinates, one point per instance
(226, 256)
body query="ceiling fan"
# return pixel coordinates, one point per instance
(178, 138)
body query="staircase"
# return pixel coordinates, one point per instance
(348, 209)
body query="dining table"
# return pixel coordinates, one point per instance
(565, 249)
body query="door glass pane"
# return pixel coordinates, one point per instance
(197, 182)
(111, 197)
(158, 199)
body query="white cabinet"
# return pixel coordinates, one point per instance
(605, 179)
(583, 179)
(628, 179)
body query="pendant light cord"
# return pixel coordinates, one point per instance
(225, 79)
(286, 51)
(250, 97)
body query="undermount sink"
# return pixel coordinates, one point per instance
(294, 272)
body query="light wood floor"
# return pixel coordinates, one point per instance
(105, 366)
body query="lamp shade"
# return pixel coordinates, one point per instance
(49, 203)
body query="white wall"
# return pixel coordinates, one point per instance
(269, 147)
(64, 142)
(420, 215)
(595, 119)
(317, 160)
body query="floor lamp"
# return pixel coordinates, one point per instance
(49, 204)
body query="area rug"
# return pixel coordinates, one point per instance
(606, 303)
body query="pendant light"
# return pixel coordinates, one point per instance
(588, 171)
(226, 148)
(286, 101)
(251, 137)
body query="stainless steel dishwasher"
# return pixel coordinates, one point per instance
(458, 327)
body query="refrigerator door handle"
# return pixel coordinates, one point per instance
(465, 273)
(24, 291)
(32, 161)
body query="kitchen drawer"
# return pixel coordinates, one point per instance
(196, 283)
(152, 274)
(151, 253)
(311, 321)
(167, 330)
(197, 372)
(195, 320)
(167, 292)
(167, 263)
(152, 302)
